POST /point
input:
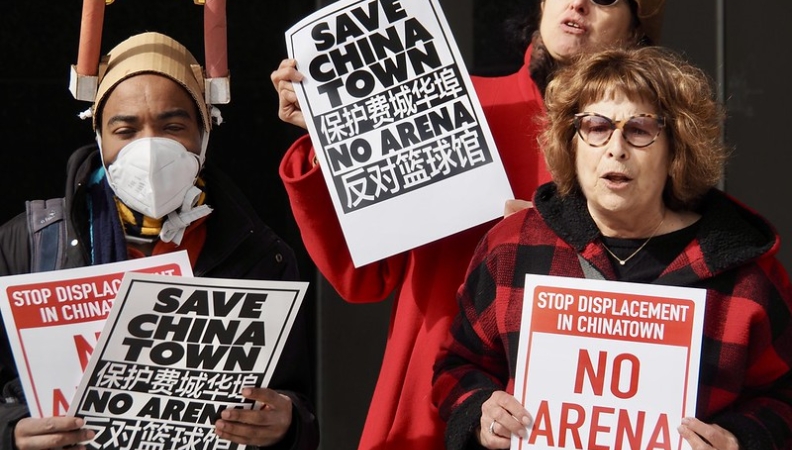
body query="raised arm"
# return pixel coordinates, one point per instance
(321, 233)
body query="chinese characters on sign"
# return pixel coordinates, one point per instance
(435, 137)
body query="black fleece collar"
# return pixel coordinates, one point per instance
(729, 234)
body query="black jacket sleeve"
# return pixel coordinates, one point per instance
(293, 378)
(14, 259)
(12, 409)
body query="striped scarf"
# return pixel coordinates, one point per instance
(139, 225)
(111, 221)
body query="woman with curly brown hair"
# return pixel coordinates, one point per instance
(632, 139)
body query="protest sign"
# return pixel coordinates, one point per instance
(606, 364)
(53, 320)
(175, 352)
(398, 131)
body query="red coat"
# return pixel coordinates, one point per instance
(425, 280)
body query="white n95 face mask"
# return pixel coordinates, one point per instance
(152, 175)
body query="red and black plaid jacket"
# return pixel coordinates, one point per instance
(745, 382)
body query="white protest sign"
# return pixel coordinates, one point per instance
(605, 364)
(175, 352)
(399, 133)
(53, 320)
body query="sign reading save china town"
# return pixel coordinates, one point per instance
(607, 365)
(177, 351)
(399, 133)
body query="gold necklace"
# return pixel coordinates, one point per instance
(624, 261)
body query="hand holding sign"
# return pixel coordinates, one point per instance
(288, 105)
(501, 417)
(703, 436)
(260, 427)
(50, 432)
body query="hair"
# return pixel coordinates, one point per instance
(542, 65)
(680, 92)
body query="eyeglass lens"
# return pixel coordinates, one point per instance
(639, 131)
(604, 2)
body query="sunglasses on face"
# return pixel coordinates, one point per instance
(604, 2)
(640, 130)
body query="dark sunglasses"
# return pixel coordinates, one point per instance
(640, 130)
(605, 2)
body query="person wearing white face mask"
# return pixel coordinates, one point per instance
(152, 150)
(148, 189)
(154, 177)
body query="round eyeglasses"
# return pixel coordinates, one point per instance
(640, 130)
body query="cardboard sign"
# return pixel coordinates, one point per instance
(398, 130)
(53, 320)
(605, 364)
(175, 352)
